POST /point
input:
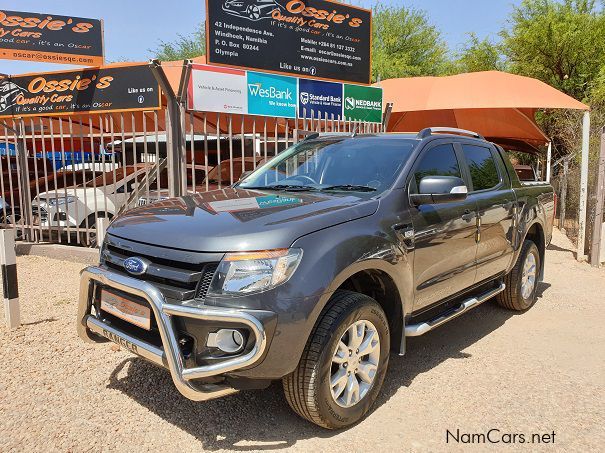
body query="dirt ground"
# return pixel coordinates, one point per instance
(534, 373)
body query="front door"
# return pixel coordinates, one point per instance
(445, 234)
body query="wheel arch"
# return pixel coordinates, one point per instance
(373, 278)
(535, 233)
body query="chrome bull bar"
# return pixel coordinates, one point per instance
(170, 357)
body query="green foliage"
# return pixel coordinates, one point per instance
(405, 44)
(477, 55)
(184, 47)
(560, 43)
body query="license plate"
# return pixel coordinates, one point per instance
(125, 309)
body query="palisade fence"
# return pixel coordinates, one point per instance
(61, 174)
(565, 180)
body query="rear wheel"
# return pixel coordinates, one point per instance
(522, 281)
(344, 363)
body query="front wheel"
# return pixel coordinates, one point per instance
(343, 364)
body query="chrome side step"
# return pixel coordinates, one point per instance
(415, 330)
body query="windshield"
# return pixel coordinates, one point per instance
(363, 164)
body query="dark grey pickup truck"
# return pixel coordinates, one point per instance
(318, 265)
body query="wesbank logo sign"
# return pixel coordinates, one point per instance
(272, 95)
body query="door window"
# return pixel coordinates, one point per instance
(438, 161)
(482, 166)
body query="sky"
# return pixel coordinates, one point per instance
(133, 27)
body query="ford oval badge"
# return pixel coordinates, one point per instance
(135, 265)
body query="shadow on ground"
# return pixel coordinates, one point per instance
(262, 420)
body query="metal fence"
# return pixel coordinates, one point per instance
(61, 174)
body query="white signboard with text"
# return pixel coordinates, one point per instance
(217, 89)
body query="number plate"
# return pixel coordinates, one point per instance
(125, 309)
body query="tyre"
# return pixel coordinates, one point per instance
(343, 364)
(522, 282)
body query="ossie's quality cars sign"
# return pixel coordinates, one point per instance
(50, 38)
(311, 38)
(90, 90)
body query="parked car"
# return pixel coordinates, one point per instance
(318, 265)
(219, 176)
(80, 206)
(53, 181)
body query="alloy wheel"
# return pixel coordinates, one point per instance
(355, 363)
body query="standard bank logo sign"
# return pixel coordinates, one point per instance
(272, 95)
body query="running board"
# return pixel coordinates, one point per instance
(415, 330)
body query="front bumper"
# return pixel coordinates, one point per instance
(94, 329)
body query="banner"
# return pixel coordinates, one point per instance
(320, 39)
(318, 99)
(362, 103)
(112, 89)
(226, 90)
(271, 95)
(214, 89)
(50, 38)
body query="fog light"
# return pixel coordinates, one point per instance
(227, 340)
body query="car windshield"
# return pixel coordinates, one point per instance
(352, 164)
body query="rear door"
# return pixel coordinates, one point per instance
(444, 241)
(491, 190)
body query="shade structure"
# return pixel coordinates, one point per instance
(498, 105)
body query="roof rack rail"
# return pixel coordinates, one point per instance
(424, 133)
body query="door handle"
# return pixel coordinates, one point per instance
(468, 215)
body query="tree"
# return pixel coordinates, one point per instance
(562, 44)
(405, 44)
(477, 55)
(184, 47)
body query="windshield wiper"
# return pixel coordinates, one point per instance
(285, 187)
(350, 188)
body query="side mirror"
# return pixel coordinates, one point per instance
(245, 175)
(439, 189)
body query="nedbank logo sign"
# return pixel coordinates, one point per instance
(363, 103)
(271, 95)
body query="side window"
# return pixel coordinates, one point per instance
(482, 165)
(438, 161)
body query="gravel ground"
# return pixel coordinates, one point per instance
(539, 372)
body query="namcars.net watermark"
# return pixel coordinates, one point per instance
(497, 436)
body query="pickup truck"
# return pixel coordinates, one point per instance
(316, 266)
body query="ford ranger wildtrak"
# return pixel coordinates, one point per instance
(318, 265)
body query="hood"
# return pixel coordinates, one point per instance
(238, 220)
(76, 192)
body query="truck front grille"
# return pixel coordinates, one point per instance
(178, 281)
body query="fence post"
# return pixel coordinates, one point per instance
(548, 161)
(595, 246)
(583, 187)
(102, 223)
(563, 194)
(174, 131)
(8, 262)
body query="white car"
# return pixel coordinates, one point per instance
(80, 206)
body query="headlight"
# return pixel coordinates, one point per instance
(251, 272)
(60, 201)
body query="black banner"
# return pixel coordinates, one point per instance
(91, 90)
(50, 38)
(312, 38)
